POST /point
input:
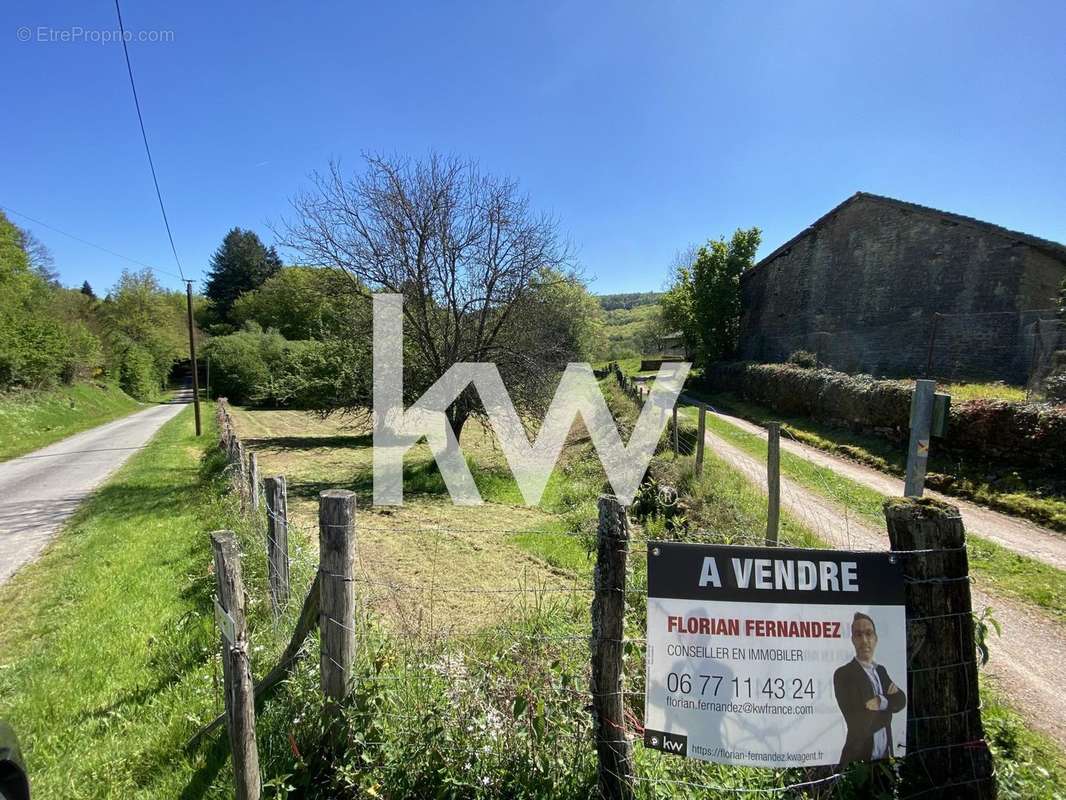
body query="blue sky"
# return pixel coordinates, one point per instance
(642, 126)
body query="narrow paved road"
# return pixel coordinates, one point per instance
(40, 490)
(1026, 660)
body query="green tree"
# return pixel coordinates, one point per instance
(704, 300)
(241, 263)
(677, 310)
(144, 325)
(87, 290)
(305, 303)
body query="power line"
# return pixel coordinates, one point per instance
(87, 242)
(144, 135)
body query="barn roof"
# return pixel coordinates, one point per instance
(1051, 248)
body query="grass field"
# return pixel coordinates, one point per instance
(33, 419)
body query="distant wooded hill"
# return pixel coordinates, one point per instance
(610, 302)
(631, 323)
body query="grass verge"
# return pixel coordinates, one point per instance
(109, 650)
(32, 419)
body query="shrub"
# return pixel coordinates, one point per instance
(138, 375)
(803, 359)
(1055, 388)
(239, 363)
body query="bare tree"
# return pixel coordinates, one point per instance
(39, 256)
(480, 272)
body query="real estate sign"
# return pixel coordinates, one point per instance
(775, 657)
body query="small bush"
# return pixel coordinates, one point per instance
(1055, 388)
(803, 359)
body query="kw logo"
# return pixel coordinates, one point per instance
(676, 743)
(396, 430)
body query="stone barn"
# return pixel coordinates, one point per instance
(892, 288)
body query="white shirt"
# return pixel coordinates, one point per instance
(880, 735)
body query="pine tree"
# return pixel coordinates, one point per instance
(240, 264)
(87, 290)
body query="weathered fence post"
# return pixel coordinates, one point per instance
(241, 476)
(253, 480)
(773, 481)
(236, 667)
(918, 447)
(947, 755)
(277, 504)
(336, 548)
(613, 748)
(675, 430)
(701, 435)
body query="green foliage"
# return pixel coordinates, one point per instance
(704, 300)
(568, 318)
(716, 292)
(145, 331)
(804, 359)
(306, 303)
(630, 300)
(264, 368)
(632, 331)
(241, 263)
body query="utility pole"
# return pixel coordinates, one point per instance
(192, 355)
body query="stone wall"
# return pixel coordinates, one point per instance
(860, 288)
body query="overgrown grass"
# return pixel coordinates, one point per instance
(32, 419)
(1029, 766)
(996, 390)
(1036, 494)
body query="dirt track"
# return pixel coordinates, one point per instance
(1017, 535)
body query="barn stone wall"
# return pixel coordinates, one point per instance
(861, 287)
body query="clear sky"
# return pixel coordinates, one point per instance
(643, 126)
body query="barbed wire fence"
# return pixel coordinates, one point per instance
(509, 655)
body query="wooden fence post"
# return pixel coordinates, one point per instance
(947, 755)
(613, 748)
(236, 667)
(253, 480)
(277, 503)
(336, 549)
(773, 482)
(700, 437)
(675, 431)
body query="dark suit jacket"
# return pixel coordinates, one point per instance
(852, 689)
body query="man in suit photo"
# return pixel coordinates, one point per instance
(867, 697)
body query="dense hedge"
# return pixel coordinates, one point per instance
(256, 367)
(1024, 433)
